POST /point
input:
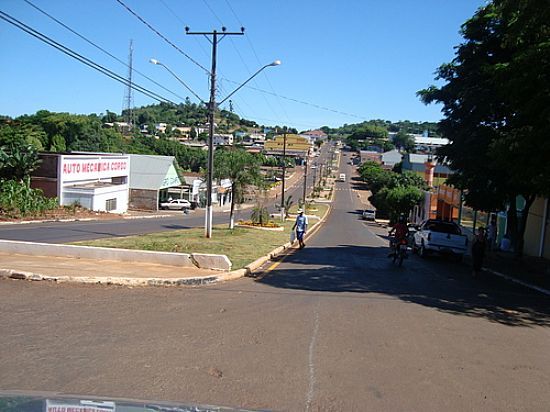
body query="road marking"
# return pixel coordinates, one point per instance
(274, 265)
(520, 282)
(312, 378)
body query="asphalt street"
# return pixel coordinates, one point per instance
(335, 326)
(66, 232)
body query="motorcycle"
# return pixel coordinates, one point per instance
(400, 251)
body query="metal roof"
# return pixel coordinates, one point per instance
(152, 172)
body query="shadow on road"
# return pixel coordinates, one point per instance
(435, 283)
(176, 227)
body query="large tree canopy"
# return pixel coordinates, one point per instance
(496, 107)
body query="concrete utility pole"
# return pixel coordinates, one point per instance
(305, 183)
(283, 212)
(211, 111)
(314, 176)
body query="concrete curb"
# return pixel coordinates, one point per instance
(124, 281)
(114, 280)
(86, 219)
(258, 263)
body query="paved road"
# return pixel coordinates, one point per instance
(333, 327)
(65, 232)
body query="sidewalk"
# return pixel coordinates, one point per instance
(527, 269)
(60, 269)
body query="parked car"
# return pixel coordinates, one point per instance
(369, 214)
(439, 236)
(176, 204)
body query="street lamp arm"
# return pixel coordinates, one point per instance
(275, 63)
(156, 62)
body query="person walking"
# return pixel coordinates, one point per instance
(492, 234)
(301, 227)
(479, 245)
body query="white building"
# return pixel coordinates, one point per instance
(222, 139)
(96, 182)
(428, 144)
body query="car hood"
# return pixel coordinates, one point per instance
(53, 402)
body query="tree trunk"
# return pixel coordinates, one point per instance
(516, 227)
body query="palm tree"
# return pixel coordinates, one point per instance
(288, 204)
(242, 168)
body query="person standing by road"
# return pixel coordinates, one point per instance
(301, 227)
(479, 245)
(492, 234)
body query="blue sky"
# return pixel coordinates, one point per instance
(363, 58)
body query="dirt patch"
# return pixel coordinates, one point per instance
(61, 214)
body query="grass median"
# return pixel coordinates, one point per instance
(242, 245)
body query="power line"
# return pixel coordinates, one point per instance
(273, 93)
(241, 57)
(259, 62)
(183, 24)
(71, 53)
(163, 37)
(328, 109)
(99, 47)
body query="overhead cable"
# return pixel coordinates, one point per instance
(100, 48)
(328, 109)
(42, 37)
(163, 37)
(266, 77)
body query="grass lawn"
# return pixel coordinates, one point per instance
(242, 245)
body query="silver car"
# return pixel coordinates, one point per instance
(369, 214)
(176, 204)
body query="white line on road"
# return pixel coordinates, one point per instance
(311, 389)
(520, 282)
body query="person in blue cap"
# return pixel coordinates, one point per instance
(301, 227)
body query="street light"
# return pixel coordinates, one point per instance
(156, 62)
(211, 110)
(275, 63)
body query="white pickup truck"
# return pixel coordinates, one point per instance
(439, 236)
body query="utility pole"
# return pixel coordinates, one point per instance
(314, 177)
(305, 182)
(211, 111)
(283, 212)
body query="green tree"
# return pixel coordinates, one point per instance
(495, 97)
(404, 141)
(242, 168)
(397, 200)
(58, 144)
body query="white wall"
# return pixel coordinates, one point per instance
(120, 193)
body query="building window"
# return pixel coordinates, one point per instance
(110, 204)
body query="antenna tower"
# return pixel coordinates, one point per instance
(129, 94)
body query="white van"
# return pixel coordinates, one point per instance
(342, 177)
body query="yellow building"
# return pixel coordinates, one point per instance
(295, 145)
